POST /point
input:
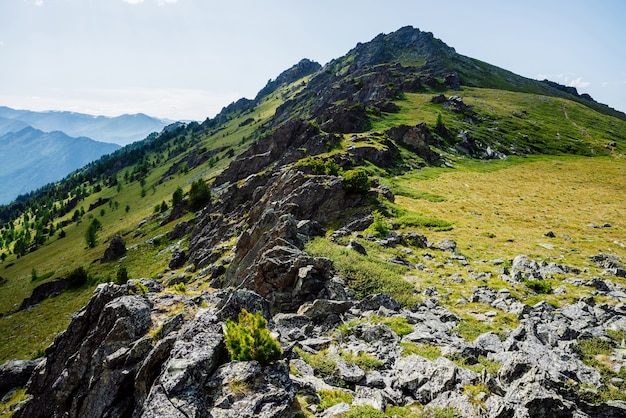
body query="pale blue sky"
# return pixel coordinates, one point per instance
(186, 59)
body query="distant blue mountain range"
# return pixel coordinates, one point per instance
(37, 148)
(121, 130)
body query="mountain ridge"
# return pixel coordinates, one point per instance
(36, 158)
(417, 247)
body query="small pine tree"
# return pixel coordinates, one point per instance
(91, 235)
(122, 275)
(177, 196)
(249, 339)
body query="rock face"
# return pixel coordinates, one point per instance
(116, 249)
(90, 366)
(106, 364)
(44, 291)
(15, 373)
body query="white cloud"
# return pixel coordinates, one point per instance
(579, 83)
(133, 1)
(162, 2)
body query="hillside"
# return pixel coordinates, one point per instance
(32, 158)
(424, 235)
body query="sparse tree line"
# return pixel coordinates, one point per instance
(34, 218)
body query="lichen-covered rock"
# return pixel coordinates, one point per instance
(90, 366)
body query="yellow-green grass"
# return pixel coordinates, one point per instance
(505, 212)
(545, 124)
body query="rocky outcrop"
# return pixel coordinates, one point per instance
(417, 138)
(44, 291)
(90, 366)
(116, 249)
(15, 373)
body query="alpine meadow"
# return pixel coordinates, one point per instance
(402, 232)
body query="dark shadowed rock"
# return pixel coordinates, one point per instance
(354, 245)
(178, 259)
(319, 309)
(90, 367)
(15, 373)
(418, 138)
(375, 301)
(240, 299)
(116, 249)
(44, 291)
(180, 230)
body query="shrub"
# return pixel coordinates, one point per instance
(122, 275)
(539, 286)
(380, 226)
(177, 196)
(319, 165)
(356, 181)
(199, 195)
(249, 339)
(77, 277)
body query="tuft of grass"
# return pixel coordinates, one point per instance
(363, 411)
(543, 287)
(428, 351)
(332, 397)
(321, 364)
(473, 392)
(366, 275)
(363, 360)
(179, 288)
(239, 388)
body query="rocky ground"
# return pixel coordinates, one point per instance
(144, 351)
(156, 348)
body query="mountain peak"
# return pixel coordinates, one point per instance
(303, 68)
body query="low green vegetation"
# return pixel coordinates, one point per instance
(320, 362)
(428, 351)
(366, 275)
(333, 397)
(364, 361)
(249, 339)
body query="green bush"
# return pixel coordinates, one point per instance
(540, 286)
(319, 165)
(199, 195)
(122, 275)
(380, 226)
(356, 181)
(249, 339)
(77, 277)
